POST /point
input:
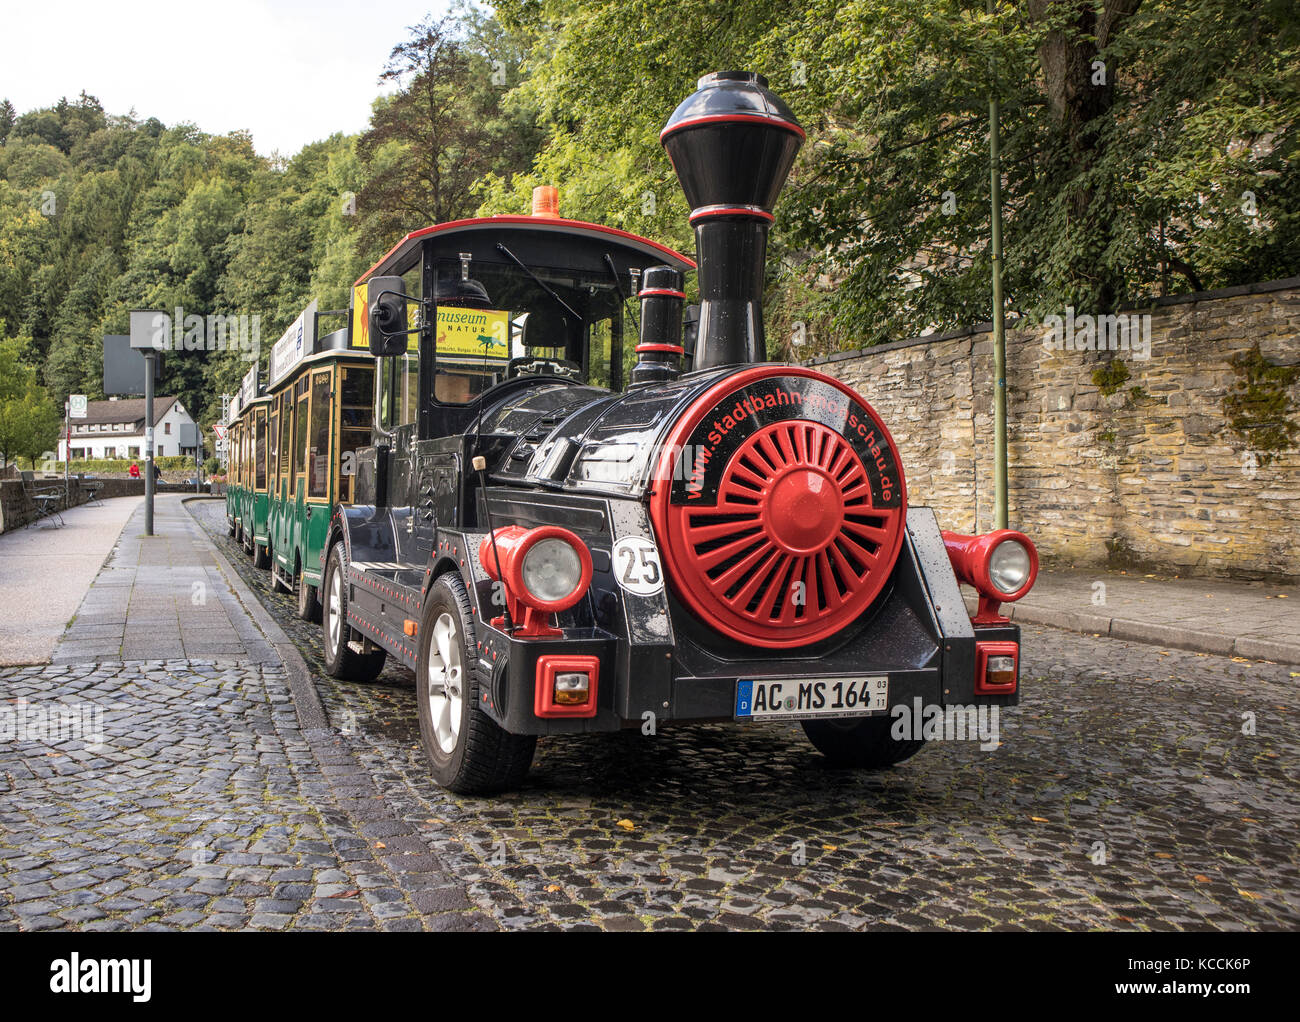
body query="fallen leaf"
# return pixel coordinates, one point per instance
(626, 824)
(1124, 919)
(1281, 596)
(380, 844)
(554, 887)
(1201, 878)
(1247, 819)
(1039, 819)
(830, 848)
(1248, 894)
(1164, 652)
(1163, 855)
(347, 894)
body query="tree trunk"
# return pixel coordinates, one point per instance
(1080, 93)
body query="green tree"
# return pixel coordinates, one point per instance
(29, 418)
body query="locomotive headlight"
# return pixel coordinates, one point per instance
(551, 570)
(547, 568)
(1009, 567)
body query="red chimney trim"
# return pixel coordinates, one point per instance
(708, 211)
(663, 292)
(692, 122)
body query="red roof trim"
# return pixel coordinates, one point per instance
(535, 221)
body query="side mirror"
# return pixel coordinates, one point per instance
(387, 314)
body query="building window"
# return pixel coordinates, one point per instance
(167, 428)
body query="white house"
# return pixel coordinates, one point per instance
(115, 429)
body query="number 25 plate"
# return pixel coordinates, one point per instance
(801, 698)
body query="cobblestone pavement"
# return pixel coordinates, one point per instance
(1124, 795)
(192, 802)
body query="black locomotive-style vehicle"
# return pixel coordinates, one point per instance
(553, 550)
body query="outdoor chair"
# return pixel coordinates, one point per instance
(45, 502)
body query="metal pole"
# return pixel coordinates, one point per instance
(67, 451)
(999, 333)
(149, 357)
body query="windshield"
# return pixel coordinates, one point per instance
(498, 319)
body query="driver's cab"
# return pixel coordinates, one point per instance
(462, 315)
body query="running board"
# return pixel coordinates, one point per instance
(385, 607)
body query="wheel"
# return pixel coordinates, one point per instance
(469, 752)
(246, 538)
(341, 660)
(308, 604)
(230, 527)
(238, 533)
(261, 556)
(860, 742)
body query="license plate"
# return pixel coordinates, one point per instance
(801, 699)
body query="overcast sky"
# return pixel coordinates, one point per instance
(289, 71)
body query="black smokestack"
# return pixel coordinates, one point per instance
(732, 143)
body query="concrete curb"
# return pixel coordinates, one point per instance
(1218, 643)
(306, 700)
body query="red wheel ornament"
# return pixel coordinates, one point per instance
(780, 506)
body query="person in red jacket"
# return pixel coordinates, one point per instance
(134, 470)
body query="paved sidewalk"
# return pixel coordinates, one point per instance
(163, 597)
(1256, 620)
(44, 573)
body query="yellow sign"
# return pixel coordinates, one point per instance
(473, 334)
(463, 334)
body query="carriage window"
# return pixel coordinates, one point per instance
(260, 455)
(286, 428)
(318, 453)
(354, 423)
(300, 428)
(272, 442)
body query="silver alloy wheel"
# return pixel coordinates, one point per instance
(444, 685)
(332, 615)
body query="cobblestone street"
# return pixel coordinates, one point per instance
(1124, 795)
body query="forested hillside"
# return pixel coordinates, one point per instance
(1148, 147)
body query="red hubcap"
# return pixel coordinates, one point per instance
(804, 510)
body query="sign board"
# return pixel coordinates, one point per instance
(248, 387)
(124, 367)
(463, 335)
(150, 330)
(294, 345)
(221, 431)
(189, 435)
(473, 335)
(76, 406)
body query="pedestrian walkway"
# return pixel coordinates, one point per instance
(44, 574)
(163, 597)
(1256, 620)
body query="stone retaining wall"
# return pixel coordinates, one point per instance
(1138, 464)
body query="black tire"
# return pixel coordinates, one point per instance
(477, 757)
(238, 532)
(261, 555)
(341, 660)
(860, 742)
(308, 604)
